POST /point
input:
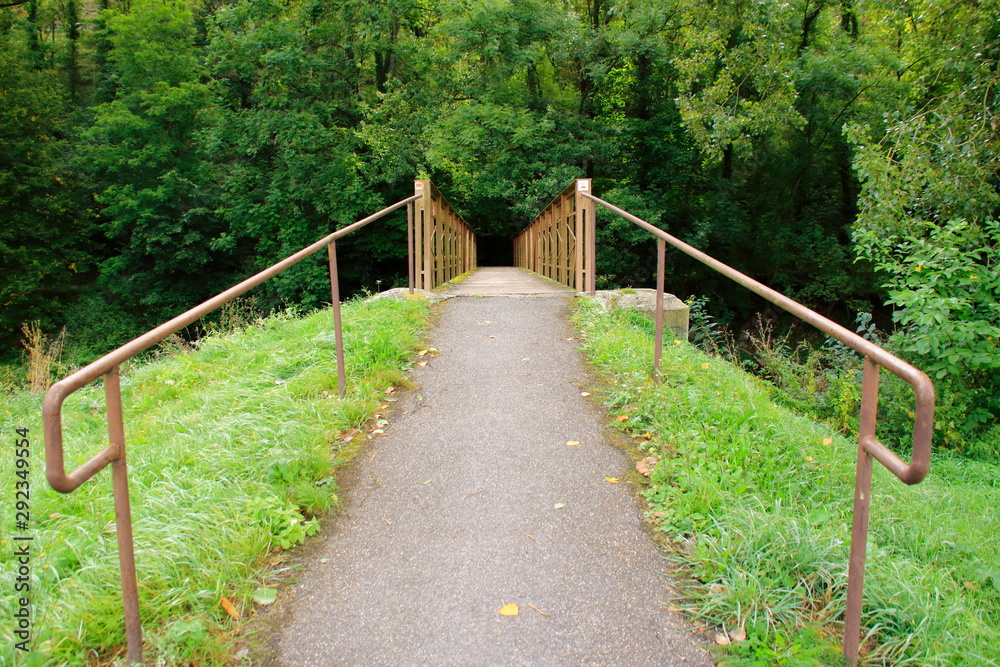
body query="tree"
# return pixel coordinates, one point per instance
(45, 235)
(154, 189)
(930, 201)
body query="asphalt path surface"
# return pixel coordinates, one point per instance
(473, 500)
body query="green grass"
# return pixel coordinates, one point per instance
(761, 498)
(231, 453)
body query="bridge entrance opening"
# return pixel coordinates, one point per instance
(495, 251)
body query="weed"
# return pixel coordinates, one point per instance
(44, 355)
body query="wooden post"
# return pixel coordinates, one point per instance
(585, 221)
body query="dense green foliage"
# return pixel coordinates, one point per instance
(845, 153)
(232, 452)
(758, 499)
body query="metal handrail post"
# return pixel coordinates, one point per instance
(410, 257)
(661, 251)
(337, 323)
(123, 517)
(862, 510)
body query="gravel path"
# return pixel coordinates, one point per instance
(473, 499)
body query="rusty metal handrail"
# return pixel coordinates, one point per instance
(868, 445)
(114, 453)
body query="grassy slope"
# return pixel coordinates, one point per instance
(762, 497)
(231, 450)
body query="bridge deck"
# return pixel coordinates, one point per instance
(507, 281)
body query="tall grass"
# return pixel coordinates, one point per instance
(760, 498)
(231, 453)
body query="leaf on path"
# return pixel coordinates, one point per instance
(611, 480)
(572, 443)
(230, 609)
(559, 506)
(585, 393)
(423, 352)
(421, 363)
(492, 336)
(508, 609)
(389, 390)
(623, 418)
(721, 639)
(265, 595)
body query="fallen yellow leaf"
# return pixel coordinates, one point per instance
(827, 441)
(423, 352)
(508, 610)
(704, 365)
(623, 418)
(572, 443)
(585, 393)
(421, 363)
(230, 609)
(612, 480)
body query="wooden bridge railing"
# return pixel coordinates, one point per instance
(441, 244)
(560, 242)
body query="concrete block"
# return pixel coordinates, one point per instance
(675, 311)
